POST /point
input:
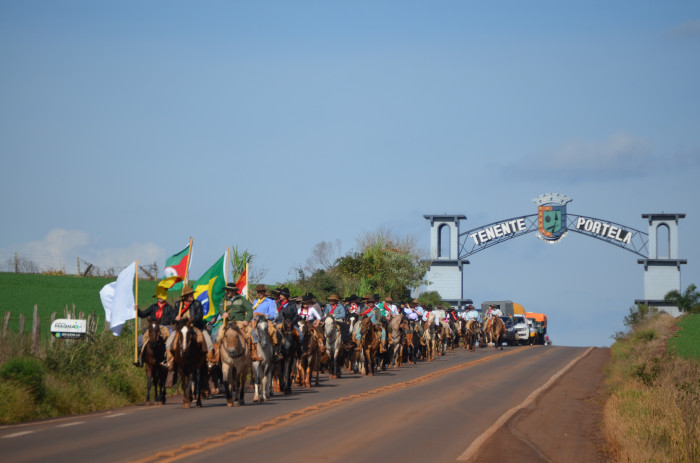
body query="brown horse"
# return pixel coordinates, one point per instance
(471, 333)
(153, 356)
(369, 343)
(495, 329)
(235, 364)
(312, 349)
(190, 360)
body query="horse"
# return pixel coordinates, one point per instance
(312, 348)
(495, 329)
(190, 358)
(334, 344)
(263, 367)
(235, 364)
(429, 338)
(398, 325)
(153, 356)
(352, 348)
(472, 329)
(288, 346)
(369, 344)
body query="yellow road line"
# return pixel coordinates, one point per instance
(188, 450)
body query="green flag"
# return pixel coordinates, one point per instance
(209, 288)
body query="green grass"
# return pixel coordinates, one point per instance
(686, 342)
(53, 293)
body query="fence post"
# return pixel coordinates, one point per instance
(21, 328)
(51, 338)
(35, 330)
(6, 325)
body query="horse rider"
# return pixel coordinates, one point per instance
(473, 314)
(234, 310)
(334, 308)
(374, 313)
(265, 307)
(390, 307)
(160, 311)
(190, 308)
(353, 306)
(308, 311)
(414, 312)
(496, 312)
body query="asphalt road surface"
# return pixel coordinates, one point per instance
(432, 411)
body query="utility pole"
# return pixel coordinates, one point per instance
(16, 263)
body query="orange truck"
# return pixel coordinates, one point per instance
(539, 321)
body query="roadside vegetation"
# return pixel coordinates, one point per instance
(68, 377)
(653, 379)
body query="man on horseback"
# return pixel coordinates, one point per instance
(160, 311)
(473, 314)
(234, 311)
(190, 308)
(265, 307)
(334, 308)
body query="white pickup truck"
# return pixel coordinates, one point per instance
(521, 328)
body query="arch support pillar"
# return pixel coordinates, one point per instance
(662, 274)
(445, 271)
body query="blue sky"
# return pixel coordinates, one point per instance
(127, 127)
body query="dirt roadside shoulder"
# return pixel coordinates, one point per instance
(563, 424)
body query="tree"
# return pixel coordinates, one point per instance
(431, 298)
(238, 262)
(689, 301)
(639, 313)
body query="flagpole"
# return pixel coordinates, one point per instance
(187, 269)
(136, 315)
(247, 288)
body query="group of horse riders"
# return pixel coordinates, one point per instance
(278, 309)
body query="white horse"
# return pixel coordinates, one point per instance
(334, 343)
(263, 367)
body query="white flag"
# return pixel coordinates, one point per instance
(118, 299)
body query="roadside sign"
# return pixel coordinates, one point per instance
(69, 329)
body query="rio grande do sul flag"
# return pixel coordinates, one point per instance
(209, 288)
(176, 265)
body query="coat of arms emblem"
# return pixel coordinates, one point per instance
(551, 216)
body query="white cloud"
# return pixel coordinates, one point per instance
(621, 156)
(689, 28)
(61, 248)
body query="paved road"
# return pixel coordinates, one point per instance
(432, 410)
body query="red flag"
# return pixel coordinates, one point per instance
(242, 282)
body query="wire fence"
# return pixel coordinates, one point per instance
(51, 265)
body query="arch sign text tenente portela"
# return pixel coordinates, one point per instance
(551, 224)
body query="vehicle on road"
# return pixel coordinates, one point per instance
(522, 331)
(509, 337)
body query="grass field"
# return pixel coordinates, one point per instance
(686, 342)
(53, 293)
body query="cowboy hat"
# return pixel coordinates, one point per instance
(333, 297)
(231, 287)
(284, 292)
(186, 291)
(260, 288)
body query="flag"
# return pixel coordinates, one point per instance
(177, 264)
(118, 299)
(242, 282)
(164, 285)
(209, 289)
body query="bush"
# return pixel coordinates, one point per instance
(26, 371)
